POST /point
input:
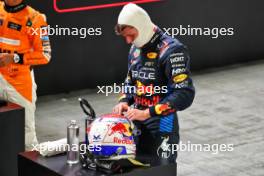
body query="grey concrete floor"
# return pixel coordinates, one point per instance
(228, 109)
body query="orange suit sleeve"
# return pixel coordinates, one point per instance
(40, 53)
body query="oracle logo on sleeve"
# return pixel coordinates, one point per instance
(94, 4)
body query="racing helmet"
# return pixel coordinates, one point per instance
(114, 134)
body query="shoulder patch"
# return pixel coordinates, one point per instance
(152, 55)
(164, 48)
(33, 16)
(180, 78)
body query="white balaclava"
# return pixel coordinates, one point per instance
(135, 16)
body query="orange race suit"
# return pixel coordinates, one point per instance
(23, 31)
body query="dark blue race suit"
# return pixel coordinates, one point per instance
(160, 71)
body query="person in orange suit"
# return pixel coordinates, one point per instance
(24, 43)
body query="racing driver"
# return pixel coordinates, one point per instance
(155, 61)
(24, 43)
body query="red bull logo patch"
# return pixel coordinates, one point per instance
(161, 108)
(120, 128)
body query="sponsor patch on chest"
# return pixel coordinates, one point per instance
(14, 26)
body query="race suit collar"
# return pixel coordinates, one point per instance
(154, 39)
(14, 9)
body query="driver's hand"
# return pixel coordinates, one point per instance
(120, 108)
(6, 59)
